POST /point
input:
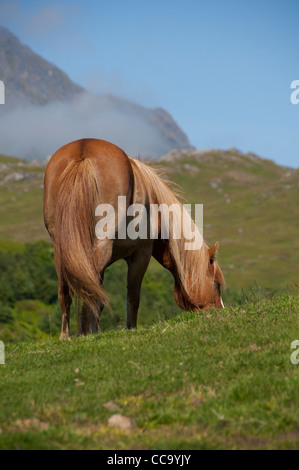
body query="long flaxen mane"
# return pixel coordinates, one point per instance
(191, 265)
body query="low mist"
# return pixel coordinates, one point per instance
(35, 132)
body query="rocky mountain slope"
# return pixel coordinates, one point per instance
(31, 81)
(29, 78)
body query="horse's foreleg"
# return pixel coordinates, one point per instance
(137, 265)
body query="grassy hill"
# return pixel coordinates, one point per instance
(218, 380)
(250, 206)
(21, 201)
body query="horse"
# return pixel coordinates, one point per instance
(90, 173)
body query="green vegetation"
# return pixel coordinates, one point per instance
(29, 307)
(214, 380)
(28, 291)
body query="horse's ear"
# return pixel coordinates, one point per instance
(213, 251)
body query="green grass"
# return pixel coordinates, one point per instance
(217, 380)
(190, 381)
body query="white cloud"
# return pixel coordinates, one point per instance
(35, 132)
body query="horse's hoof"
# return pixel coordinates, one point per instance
(64, 337)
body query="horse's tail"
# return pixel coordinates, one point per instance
(75, 232)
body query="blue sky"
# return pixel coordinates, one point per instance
(223, 69)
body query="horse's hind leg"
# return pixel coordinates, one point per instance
(64, 298)
(65, 301)
(137, 265)
(88, 321)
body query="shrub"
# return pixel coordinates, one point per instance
(6, 314)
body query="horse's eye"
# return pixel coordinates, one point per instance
(211, 260)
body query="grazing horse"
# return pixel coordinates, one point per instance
(90, 173)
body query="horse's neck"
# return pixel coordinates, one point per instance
(184, 262)
(173, 253)
(162, 254)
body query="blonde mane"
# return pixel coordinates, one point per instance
(191, 265)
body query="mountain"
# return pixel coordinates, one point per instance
(32, 83)
(30, 79)
(250, 205)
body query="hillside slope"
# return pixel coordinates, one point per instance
(217, 380)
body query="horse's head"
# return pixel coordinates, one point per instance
(205, 293)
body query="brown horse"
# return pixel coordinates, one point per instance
(87, 173)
